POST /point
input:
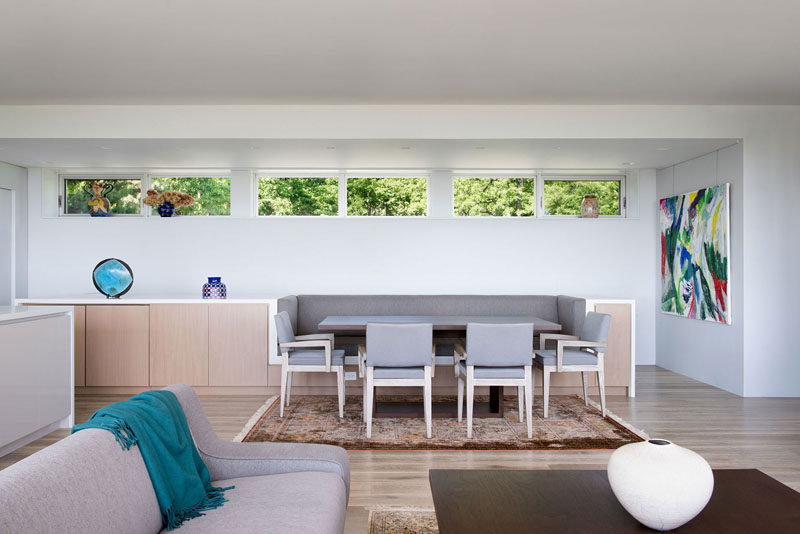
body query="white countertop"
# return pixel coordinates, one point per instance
(144, 298)
(13, 313)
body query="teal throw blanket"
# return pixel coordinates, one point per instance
(154, 420)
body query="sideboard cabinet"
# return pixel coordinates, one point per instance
(124, 347)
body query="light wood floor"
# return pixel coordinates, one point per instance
(729, 431)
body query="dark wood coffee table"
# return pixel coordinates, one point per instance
(480, 501)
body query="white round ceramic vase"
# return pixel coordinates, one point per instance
(659, 483)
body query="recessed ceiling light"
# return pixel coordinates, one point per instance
(480, 148)
(628, 163)
(254, 147)
(330, 148)
(103, 147)
(405, 148)
(556, 148)
(664, 148)
(45, 162)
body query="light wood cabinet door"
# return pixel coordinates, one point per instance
(237, 344)
(179, 344)
(618, 353)
(80, 345)
(117, 345)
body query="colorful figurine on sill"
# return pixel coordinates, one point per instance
(99, 206)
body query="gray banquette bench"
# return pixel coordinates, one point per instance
(307, 311)
(86, 483)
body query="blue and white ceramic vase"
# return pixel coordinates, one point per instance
(214, 288)
(166, 209)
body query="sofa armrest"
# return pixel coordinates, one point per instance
(227, 459)
(571, 313)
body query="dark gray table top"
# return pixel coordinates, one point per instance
(355, 323)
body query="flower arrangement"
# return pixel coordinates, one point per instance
(167, 202)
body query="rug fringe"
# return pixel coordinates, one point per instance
(255, 418)
(620, 421)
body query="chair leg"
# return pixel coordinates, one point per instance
(428, 400)
(364, 397)
(288, 387)
(520, 393)
(601, 384)
(455, 363)
(529, 399)
(470, 396)
(284, 377)
(585, 380)
(546, 388)
(340, 389)
(368, 403)
(460, 397)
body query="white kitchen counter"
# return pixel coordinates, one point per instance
(36, 373)
(144, 298)
(14, 313)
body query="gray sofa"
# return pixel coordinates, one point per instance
(87, 483)
(306, 311)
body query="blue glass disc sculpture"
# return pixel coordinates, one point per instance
(112, 277)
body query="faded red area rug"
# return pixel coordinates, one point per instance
(314, 419)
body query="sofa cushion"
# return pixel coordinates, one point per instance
(83, 483)
(312, 309)
(308, 502)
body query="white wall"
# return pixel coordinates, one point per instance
(16, 178)
(772, 258)
(710, 352)
(771, 176)
(350, 255)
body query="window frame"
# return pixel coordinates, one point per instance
(581, 178)
(95, 176)
(391, 174)
(198, 173)
(289, 173)
(511, 176)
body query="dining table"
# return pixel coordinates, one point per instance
(445, 327)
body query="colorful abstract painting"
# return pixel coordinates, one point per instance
(695, 248)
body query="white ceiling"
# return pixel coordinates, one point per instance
(357, 153)
(414, 51)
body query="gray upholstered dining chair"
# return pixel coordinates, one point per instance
(582, 354)
(496, 355)
(397, 355)
(312, 353)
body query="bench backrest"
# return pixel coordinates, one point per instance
(306, 311)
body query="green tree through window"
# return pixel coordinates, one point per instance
(387, 196)
(564, 197)
(123, 198)
(298, 196)
(493, 197)
(212, 195)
